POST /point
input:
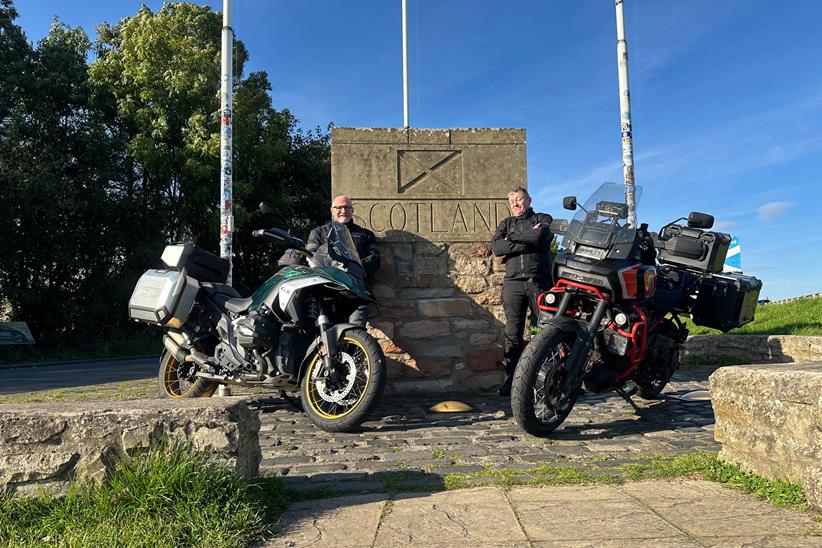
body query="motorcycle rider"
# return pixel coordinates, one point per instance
(524, 243)
(342, 211)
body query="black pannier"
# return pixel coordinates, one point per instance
(694, 248)
(726, 301)
(198, 263)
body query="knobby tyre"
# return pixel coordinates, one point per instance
(175, 380)
(343, 405)
(537, 401)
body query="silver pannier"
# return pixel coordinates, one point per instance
(163, 297)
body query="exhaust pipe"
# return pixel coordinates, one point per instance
(174, 349)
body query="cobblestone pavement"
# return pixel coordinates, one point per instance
(413, 448)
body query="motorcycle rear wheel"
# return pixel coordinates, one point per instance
(537, 402)
(344, 406)
(173, 382)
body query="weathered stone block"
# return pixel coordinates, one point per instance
(466, 265)
(769, 421)
(435, 367)
(472, 284)
(437, 308)
(485, 358)
(45, 447)
(383, 291)
(413, 294)
(482, 339)
(756, 348)
(429, 136)
(425, 329)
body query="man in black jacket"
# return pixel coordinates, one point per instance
(342, 211)
(524, 243)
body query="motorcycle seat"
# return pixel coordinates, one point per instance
(238, 306)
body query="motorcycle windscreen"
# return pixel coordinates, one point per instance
(602, 222)
(340, 252)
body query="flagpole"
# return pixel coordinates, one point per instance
(625, 116)
(404, 64)
(226, 150)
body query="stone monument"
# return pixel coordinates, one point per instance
(434, 197)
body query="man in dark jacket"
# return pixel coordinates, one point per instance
(342, 211)
(524, 243)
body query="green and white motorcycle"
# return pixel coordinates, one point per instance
(291, 334)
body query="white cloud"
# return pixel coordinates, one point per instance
(723, 225)
(772, 210)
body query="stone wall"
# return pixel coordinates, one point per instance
(769, 421)
(434, 198)
(756, 348)
(44, 447)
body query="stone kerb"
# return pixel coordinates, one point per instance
(756, 348)
(769, 421)
(434, 197)
(44, 447)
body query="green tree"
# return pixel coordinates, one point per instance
(56, 208)
(160, 74)
(103, 165)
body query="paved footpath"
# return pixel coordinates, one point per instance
(408, 448)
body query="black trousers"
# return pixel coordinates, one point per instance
(518, 298)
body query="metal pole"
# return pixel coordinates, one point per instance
(226, 97)
(625, 117)
(404, 64)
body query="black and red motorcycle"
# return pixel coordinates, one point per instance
(612, 320)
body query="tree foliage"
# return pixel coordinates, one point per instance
(104, 164)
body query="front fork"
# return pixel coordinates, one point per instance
(574, 365)
(329, 343)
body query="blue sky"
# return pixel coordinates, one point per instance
(726, 96)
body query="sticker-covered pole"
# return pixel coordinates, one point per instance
(226, 96)
(625, 116)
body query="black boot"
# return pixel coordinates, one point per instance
(505, 389)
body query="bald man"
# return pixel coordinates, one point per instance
(342, 211)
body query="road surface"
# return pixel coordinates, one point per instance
(15, 380)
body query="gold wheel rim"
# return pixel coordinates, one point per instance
(172, 378)
(312, 395)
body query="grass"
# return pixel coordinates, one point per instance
(697, 465)
(162, 497)
(173, 497)
(799, 317)
(114, 391)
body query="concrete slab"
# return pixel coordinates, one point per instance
(471, 517)
(588, 513)
(340, 522)
(704, 509)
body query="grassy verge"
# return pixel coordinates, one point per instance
(697, 465)
(172, 497)
(114, 391)
(800, 317)
(162, 497)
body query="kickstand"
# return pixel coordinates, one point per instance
(296, 405)
(627, 398)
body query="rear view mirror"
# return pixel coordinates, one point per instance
(569, 202)
(700, 220)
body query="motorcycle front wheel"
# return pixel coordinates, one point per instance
(342, 404)
(538, 402)
(175, 380)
